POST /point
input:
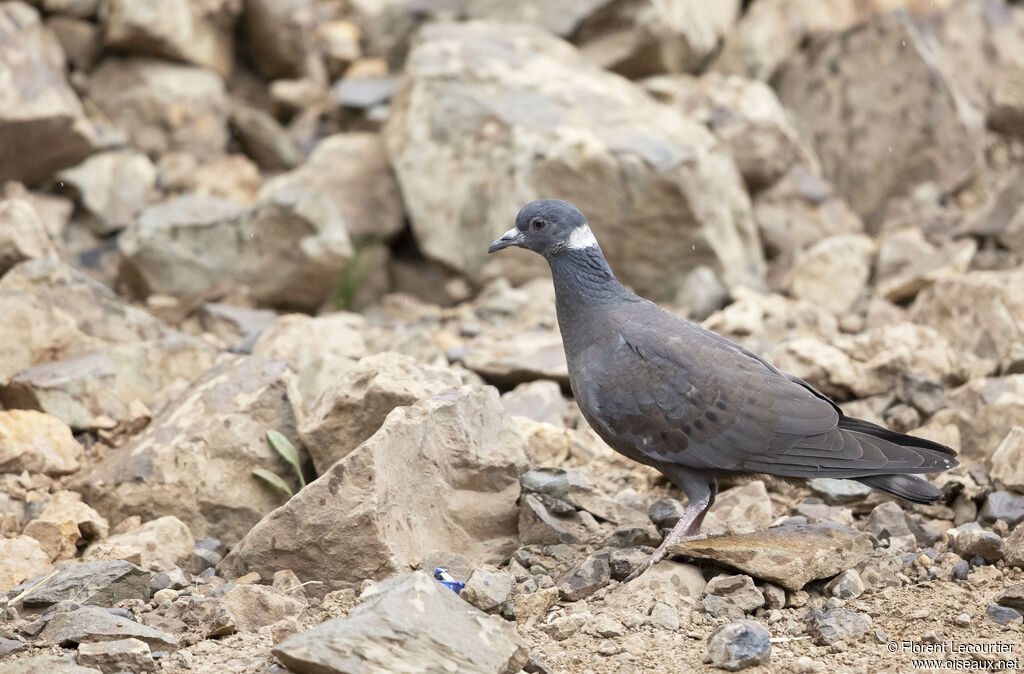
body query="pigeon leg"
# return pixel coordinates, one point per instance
(701, 492)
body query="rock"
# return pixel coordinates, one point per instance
(663, 617)
(163, 106)
(738, 645)
(510, 360)
(11, 646)
(1012, 596)
(92, 623)
(587, 578)
(38, 109)
(789, 556)
(23, 235)
(836, 491)
(442, 474)
(302, 239)
(264, 139)
(796, 212)
(1002, 505)
(21, 558)
(490, 591)
(180, 30)
(195, 618)
(38, 443)
(1014, 548)
(908, 263)
(742, 509)
(76, 350)
(745, 115)
(282, 39)
(354, 407)
(114, 187)
(738, 589)
(538, 400)
(983, 306)
(670, 579)
(1004, 615)
(102, 583)
(665, 513)
(828, 627)
(162, 543)
(175, 579)
(339, 42)
(1006, 98)
(847, 585)
(529, 607)
(256, 606)
(53, 664)
(195, 460)
(539, 526)
(80, 40)
(979, 543)
(834, 272)
(351, 170)
(984, 410)
(409, 618)
(1007, 461)
(874, 60)
(627, 158)
(887, 520)
(120, 655)
(63, 522)
(319, 349)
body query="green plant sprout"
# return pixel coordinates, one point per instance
(287, 452)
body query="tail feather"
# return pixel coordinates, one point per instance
(868, 428)
(908, 487)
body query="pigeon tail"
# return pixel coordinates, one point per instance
(907, 487)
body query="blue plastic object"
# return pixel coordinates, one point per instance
(441, 575)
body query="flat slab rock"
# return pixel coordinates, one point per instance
(789, 556)
(410, 618)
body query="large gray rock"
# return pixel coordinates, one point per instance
(500, 115)
(74, 349)
(195, 460)
(163, 106)
(42, 125)
(350, 169)
(738, 645)
(290, 251)
(410, 618)
(442, 474)
(790, 556)
(114, 187)
(92, 623)
(984, 410)
(102, 583)
(862, 79)
(195, 31)
(354, 407)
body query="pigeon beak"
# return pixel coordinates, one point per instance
(512, 237)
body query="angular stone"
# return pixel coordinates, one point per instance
(38, 443)
(195, 460)
(114, 187)
(632, 163)
(1004, 615)
(847, 585)
(848, 80)
(21, 558)
(63, 522)
(289, 251)
(256, 606)
(742, 509)
(834, 272)
(282, 38)
(42, 125)
(490, 591)
(738, 645)
(887, 520)
(789, 556)
(837, 624)
(23, 234)
(907, 263)
(979, 543)
(538, 400)
(352, 171)
(120, 655)
(983, 411)
(587, 578)
(102, 583)
(669, 578)
(1007, 461)
(409, 618)
(163, 106)
(1013, 597)
(514, 359)
(838, 491)
(92, 623)
(442, 474)
(1002, 505)
(746, 116)
(354, 407)
(52, 664)
(195, 618)
(1014, 551)
(180, 30)
(738, 589)
(163, 543)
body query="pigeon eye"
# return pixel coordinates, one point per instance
(537, 223)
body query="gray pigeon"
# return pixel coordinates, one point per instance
(695, 406)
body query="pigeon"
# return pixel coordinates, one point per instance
(692, 404)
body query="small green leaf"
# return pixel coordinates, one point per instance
(273, 480)
(288, 452)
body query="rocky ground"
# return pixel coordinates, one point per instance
(242, 248)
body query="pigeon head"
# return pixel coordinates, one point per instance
(549, 227)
